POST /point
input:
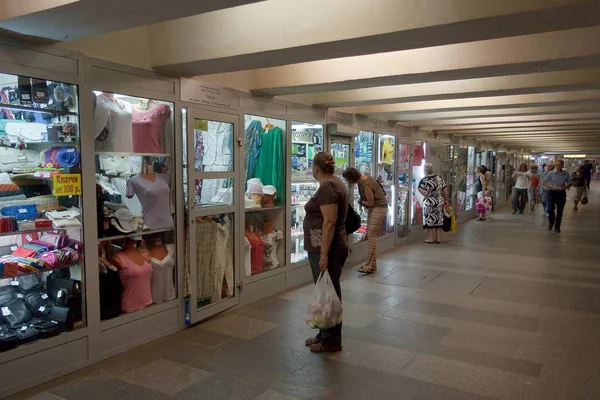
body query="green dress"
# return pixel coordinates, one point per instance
(270, 167)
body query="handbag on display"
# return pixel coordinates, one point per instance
(66, 293)
(28, 283)
(16, 312)
(115, 165)
(353, 222)
(26, 211)
(25, 334)
(38, 303)
(47, 328)
(8, 339)
(65, 316)
(7, 294)
(14, 158)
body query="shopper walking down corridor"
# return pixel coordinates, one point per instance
(578, 183)
(587, 170)
(519, 196)
(534, 188)
(543, 191)
(557, 182)
(372, 196)
(325, 239)
(435, 196)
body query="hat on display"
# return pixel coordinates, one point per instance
(254, 181)
(122, 220)
(254, 189)
(269, 190)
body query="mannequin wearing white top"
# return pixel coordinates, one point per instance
(163, 266)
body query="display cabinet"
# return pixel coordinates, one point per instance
(264, 199)
(418, 172)
(134, 143)
(386, 151)
(307, 140)
(470, 178)
(42, 287)
(403, 189)
(363, 162)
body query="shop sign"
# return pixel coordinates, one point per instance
(338, 117)
(208, 95)
(67, 184)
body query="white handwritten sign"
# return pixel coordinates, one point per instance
(209, 95)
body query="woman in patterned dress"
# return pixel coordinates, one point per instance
(435, 196)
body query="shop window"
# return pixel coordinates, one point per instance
(265, 192)
(307, 140)
(135, 202)
(385, 175)
(363, 162)
(41, 232)
(403, 190)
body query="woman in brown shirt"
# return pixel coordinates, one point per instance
(325, 239)
(372, 196)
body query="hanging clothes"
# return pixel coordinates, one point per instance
(206, 234)
(223, 257)
(252, 140)
(257, 254)
(111, 291)
(271, 166)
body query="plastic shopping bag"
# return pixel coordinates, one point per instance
(325, 308)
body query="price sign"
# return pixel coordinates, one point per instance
(67, 184)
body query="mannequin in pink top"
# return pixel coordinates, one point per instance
(149, 121)
(135, 273)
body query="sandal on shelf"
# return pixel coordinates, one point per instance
(312, 341)
(325, 348)
(365, 270)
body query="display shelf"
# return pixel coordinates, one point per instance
(134, 234)
(301, 181)
(41, 110)
(39, 272)
(16, 233)
(264, 209)
(124, 154)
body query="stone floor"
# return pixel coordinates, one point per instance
(503, 309)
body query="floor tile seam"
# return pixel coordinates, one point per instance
(473, 271)
(517, 376)
(459, 325)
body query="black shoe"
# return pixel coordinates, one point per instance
(550, 226)
(520, 211)
(514, 212)
(557, 230)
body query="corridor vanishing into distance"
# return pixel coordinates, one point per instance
(503, 309)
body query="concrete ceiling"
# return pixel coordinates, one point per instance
(76, 19)
(521, 73)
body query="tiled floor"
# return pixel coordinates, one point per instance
(502, 310)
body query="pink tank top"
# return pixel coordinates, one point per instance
(136, 281)
(148, 129)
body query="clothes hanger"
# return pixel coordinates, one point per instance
(268, 126)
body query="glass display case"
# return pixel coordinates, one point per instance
(385, 175)
(363, 162)
(418, 172)
(134, 202)
(265, 170)
(470, 177)
(403, 190)
(307, 140)
(452, 174)
(41, 231)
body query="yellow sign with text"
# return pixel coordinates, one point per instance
(67, 184)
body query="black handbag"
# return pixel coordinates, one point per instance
(8, 339)
(38, 303)
(16, 312)
(28, 283)
(47, 329)
(7, 294)
(66, 293)
(353, 222)
(25, 334)
(65, 316)
(447, 225)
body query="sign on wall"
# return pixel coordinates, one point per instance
(208, 95)
(67, 184)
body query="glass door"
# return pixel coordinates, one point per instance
(341, 150)
(211, 216)
(403, 189)
(307, 140)
(363, 162)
